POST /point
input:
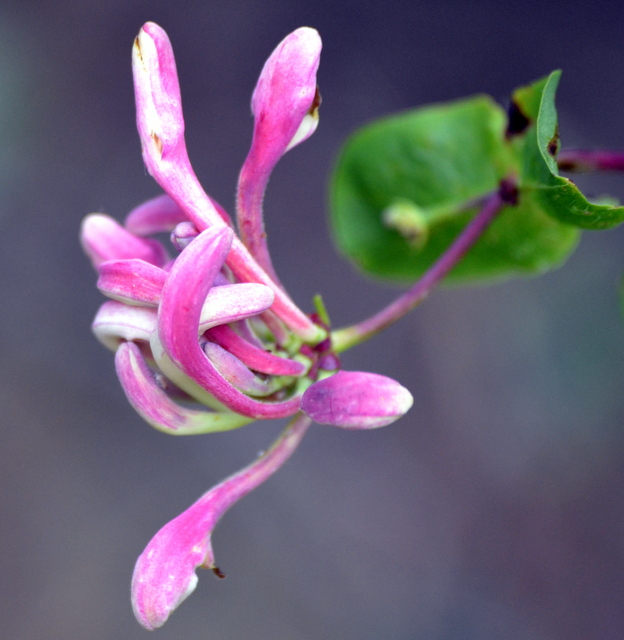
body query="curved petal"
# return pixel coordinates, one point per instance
(132, 281)
(103, 238)
(157, 408)
(116, 322)
(254, 357)
(179, 315)
(230, 302)
(164, 574)
(237, 374)
(158, 215)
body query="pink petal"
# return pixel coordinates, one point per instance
(132, 281)
(157, 408)
(164, 574)
(161, 214)
(103, 238)
(356, 400)
(230, 302)
(158, 215)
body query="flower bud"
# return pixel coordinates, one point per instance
(356, 400)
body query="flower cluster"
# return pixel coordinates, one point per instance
(210, 340)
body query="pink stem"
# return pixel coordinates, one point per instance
(587, 160)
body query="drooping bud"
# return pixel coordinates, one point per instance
(164, 574)
(356, 400)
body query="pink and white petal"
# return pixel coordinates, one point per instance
(116, 322)
(103, 238)
(356, 400)
(164, 574)
(157, 408)
(158, 215)
(132, 281)
(231, 302)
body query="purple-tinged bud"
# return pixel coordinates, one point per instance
(157, 408)
(356, 400)
(132, 281)
(164, 574)
(103, 238)
(116, 322)
(182, 235)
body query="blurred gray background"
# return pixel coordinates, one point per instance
(494, 509)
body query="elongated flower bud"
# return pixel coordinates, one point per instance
(164, 574)
(285, 108)
(356, 400)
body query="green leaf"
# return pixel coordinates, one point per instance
(540, 181)
(406, 185)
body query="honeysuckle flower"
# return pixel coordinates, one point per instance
(209, 340)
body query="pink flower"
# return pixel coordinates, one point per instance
(210, 341)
